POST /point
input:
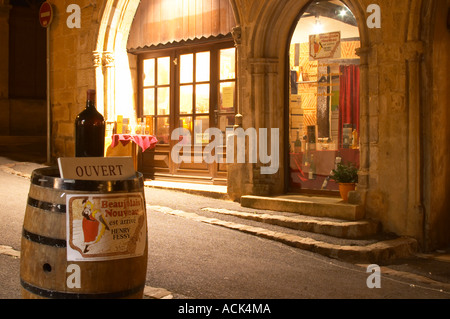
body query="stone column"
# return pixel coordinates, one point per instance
(262, 112)
(237, 36)
(234, 170)
(99, 82)
(109, 86)
(366, 138)
(414, 53)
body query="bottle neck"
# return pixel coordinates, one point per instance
(90, 104)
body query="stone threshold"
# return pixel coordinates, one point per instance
(331, 207)
(213, 191)
(361, 229)
(380, 251)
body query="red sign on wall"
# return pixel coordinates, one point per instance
(45, 14)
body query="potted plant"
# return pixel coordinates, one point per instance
(346, 175)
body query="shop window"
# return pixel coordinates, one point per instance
(192, 88)
(194, 94)
(227, 88)
(324, 121)
(196, 90)
(156, 95)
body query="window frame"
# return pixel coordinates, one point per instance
(174, 52)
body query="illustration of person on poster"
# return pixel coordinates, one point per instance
(105, 226)
(93, 224)
(317, 45)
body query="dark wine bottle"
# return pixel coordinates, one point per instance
(298, 144)
(90, 130)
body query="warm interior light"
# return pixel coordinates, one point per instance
(318, 27)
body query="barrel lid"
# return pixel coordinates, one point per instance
(49, 177)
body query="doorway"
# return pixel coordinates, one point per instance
(323, 96)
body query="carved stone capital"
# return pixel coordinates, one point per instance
(237, 35)
(363, 53)
(97, 59)
(108, 59)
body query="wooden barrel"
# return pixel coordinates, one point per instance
(83, 239)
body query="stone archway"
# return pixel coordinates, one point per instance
(263, 73)
(111, 58)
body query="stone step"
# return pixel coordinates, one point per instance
(357, 251)
(317, 206)
(361, 229)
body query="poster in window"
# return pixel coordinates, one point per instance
(227, 97)
(325, 46)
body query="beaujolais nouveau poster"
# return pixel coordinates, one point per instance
(104, 227)
(325, 46)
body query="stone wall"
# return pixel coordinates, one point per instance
(436, 129)
(72, 70)
(404, 101)
(393, 182)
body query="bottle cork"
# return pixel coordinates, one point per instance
(91, 95)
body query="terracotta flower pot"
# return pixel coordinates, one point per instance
(344, 188)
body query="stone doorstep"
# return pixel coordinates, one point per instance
(213, 191)
(306, 205)
(380, 251)
(377, 252)
(341, 229)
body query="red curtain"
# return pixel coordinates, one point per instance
(348, 98)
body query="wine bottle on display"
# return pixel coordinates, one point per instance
(298, 144)
(312, 168)
(90, 130)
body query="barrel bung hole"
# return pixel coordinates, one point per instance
(47, 268)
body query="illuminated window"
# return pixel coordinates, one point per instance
(180, 88)
(156, 95)
(324, 95)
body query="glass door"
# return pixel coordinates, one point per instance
(225, 110)
(157, 97)
(194, 107)
(227, 88)
(156, 110)
(194, 89)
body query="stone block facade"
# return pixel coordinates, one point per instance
(405, 169)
